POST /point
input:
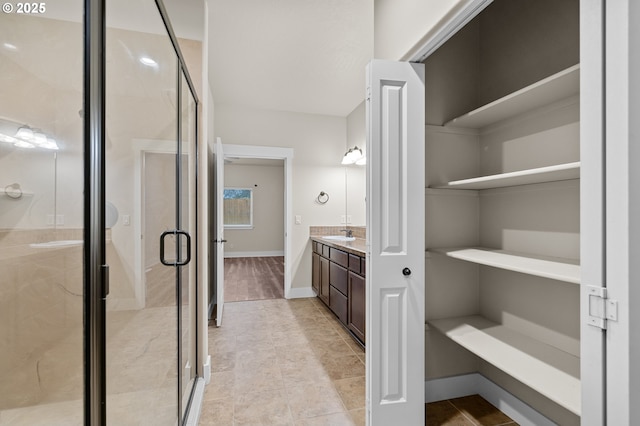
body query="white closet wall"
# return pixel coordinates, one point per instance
(503, 204)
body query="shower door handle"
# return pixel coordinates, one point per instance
(178, 262)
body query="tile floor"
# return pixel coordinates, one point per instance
(283, 362)
(290, 362)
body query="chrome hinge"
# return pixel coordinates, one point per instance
(368, 93)
(601, 308)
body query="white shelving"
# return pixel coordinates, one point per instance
(547, 267)
(523, 177)
(548, 370)
(559, 86)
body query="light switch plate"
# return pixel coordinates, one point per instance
(298, 219)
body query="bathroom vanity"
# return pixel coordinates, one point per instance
(338, 278)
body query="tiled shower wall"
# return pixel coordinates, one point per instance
(41, 305)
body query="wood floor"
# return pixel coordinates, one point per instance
(470, 410)
(253, 278)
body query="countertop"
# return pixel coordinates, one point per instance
(357, 246)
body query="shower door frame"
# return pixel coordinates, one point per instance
(96, 270)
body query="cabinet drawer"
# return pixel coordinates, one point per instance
(338, 304)
(354, 263)
(325, 250)
(316, 247)
(338, 277)
(340, 257)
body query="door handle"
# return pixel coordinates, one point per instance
(406, 272)
(178, 262)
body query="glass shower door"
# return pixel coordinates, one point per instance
(187, 221)
(148, 175)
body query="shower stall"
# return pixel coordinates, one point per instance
(98, 277)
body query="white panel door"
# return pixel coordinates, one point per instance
(395, 243)
(219, 231)
(592, 268)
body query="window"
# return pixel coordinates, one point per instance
(238, 208)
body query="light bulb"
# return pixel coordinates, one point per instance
(50, 144)
(39, 138)
(25, 133)
(347, 158)
(355, 154)
(23, 144)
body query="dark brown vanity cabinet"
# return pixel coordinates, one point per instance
(320, 271)
(338, 278)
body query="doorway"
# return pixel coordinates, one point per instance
(263, 156)
(254, 229)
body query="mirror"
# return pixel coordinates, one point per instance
(355, 175)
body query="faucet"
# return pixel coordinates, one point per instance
(348, 231)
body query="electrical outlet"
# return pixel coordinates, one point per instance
(343, 219)
(50, 219)
(348, 218)
(60, 219)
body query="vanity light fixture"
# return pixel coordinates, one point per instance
(350, 157)
(26, 137)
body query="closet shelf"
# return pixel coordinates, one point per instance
(544, 368)
(548, 267)
(559, 86)
(522, 177)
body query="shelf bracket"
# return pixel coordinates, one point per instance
(601, 308)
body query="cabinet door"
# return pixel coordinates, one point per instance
(324, 280)
(315, 274)
(357, 305)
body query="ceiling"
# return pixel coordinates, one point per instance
(290, 55)
(304, 56)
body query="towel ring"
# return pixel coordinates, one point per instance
(13, 191)
(322, 198)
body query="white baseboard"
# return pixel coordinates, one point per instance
(299, 293)
(206, 370)
(230, 254)
(470, 384)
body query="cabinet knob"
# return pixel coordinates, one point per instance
(406, 272)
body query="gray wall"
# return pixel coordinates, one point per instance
(267, 235)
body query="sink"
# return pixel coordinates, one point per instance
(339, 238)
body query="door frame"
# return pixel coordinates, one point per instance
(140, 147)
(274, 153)
(593, 233)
